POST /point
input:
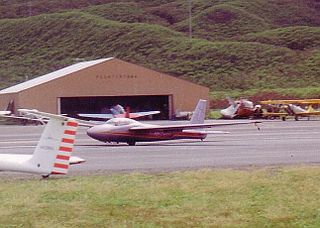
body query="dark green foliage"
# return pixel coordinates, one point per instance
(283, 13)
(124, 12)
(223, 22)
(296, 38)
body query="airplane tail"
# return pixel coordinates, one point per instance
(231, 101)
(310, 109)
(127, 112)
(199, 112)
(53, 152)
(10, 107)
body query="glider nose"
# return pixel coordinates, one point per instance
(92, 132)
(98, 132)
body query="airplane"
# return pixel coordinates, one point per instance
(273, 111)
(52, 154)
(131, 131)
(182, 115)
(297, 101)
(290, 109)
(8, 110)
(23, 117)
(118, 111)
(242, 108)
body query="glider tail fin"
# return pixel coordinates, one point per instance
(53, 152)
(199, 112)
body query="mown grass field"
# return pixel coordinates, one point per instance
(268, 197)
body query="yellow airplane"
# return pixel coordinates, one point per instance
(288, 108)
(283, 102)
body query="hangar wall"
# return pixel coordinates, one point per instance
(112, 77)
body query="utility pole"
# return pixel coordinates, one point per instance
(190, 19)
(30, 8)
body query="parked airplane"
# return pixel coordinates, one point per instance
(298, 101)
(240, 109)
(118, 111)
(25, 117)
(132, 131)
(8, 110)
(288, 108)
(53, 152)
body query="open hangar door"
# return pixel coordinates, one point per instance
(101, 104)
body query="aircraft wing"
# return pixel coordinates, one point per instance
(22, 118)
(44, 117)
(186, 126)
(207, 132)
(5, 112)
(132, 115)
(316, 113)
(97, 116)
(275, 114)
(303, 101)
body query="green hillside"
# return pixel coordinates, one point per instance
(236, 45)
(129, 12)
(223, 22)
(283, 13)
(296, 38)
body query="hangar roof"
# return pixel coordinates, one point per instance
(51, 76)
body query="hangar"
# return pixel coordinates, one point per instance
(93, 86)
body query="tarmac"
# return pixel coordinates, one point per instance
(278, 143)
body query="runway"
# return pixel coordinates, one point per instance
(277, 143)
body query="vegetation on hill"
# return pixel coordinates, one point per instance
(283, 13)
(296, 38)
(65, 37)
(22, 8)
(236, 44)
(129, 12)
(223, 22)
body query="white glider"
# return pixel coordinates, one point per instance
(53, 152)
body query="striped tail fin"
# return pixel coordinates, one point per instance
(53, 152)
(62, 162)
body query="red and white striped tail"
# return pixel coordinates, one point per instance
(62, 161)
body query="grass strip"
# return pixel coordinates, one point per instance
(285, 197)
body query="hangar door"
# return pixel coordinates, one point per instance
(74, 105)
